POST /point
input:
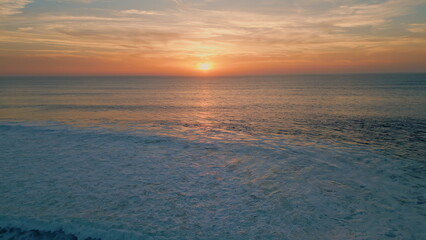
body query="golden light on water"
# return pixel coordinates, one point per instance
(205, 66)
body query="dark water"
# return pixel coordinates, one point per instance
(283, 157)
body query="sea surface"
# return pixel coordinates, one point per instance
(325, 157)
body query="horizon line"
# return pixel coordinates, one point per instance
(203, 76)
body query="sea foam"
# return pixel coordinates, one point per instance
(133, 185)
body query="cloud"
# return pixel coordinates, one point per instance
(88, 19)
(24, 29)
(139, 12)
(200, 32)
(196, 30)
(417, 28)
(10, 7)
(358, 15)
(77, 1)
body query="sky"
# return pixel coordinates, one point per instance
(211, 37)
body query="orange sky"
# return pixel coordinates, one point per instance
(172, 37)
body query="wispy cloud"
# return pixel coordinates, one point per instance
(139, 12)
(77, 1)
(214, 30)
(357, 15)
(198, 32)
(10, 7)
(88, 19)
(24, 29)
(417, 28)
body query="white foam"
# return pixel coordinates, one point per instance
(123, 185)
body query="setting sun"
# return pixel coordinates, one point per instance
(204, 66)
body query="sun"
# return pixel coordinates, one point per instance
(205, 66)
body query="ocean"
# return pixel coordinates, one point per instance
(262, 157)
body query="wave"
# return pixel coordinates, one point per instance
(135, 185)
(35, 234)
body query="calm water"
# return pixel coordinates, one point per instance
(289, 157)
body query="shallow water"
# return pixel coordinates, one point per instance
(293, 157)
